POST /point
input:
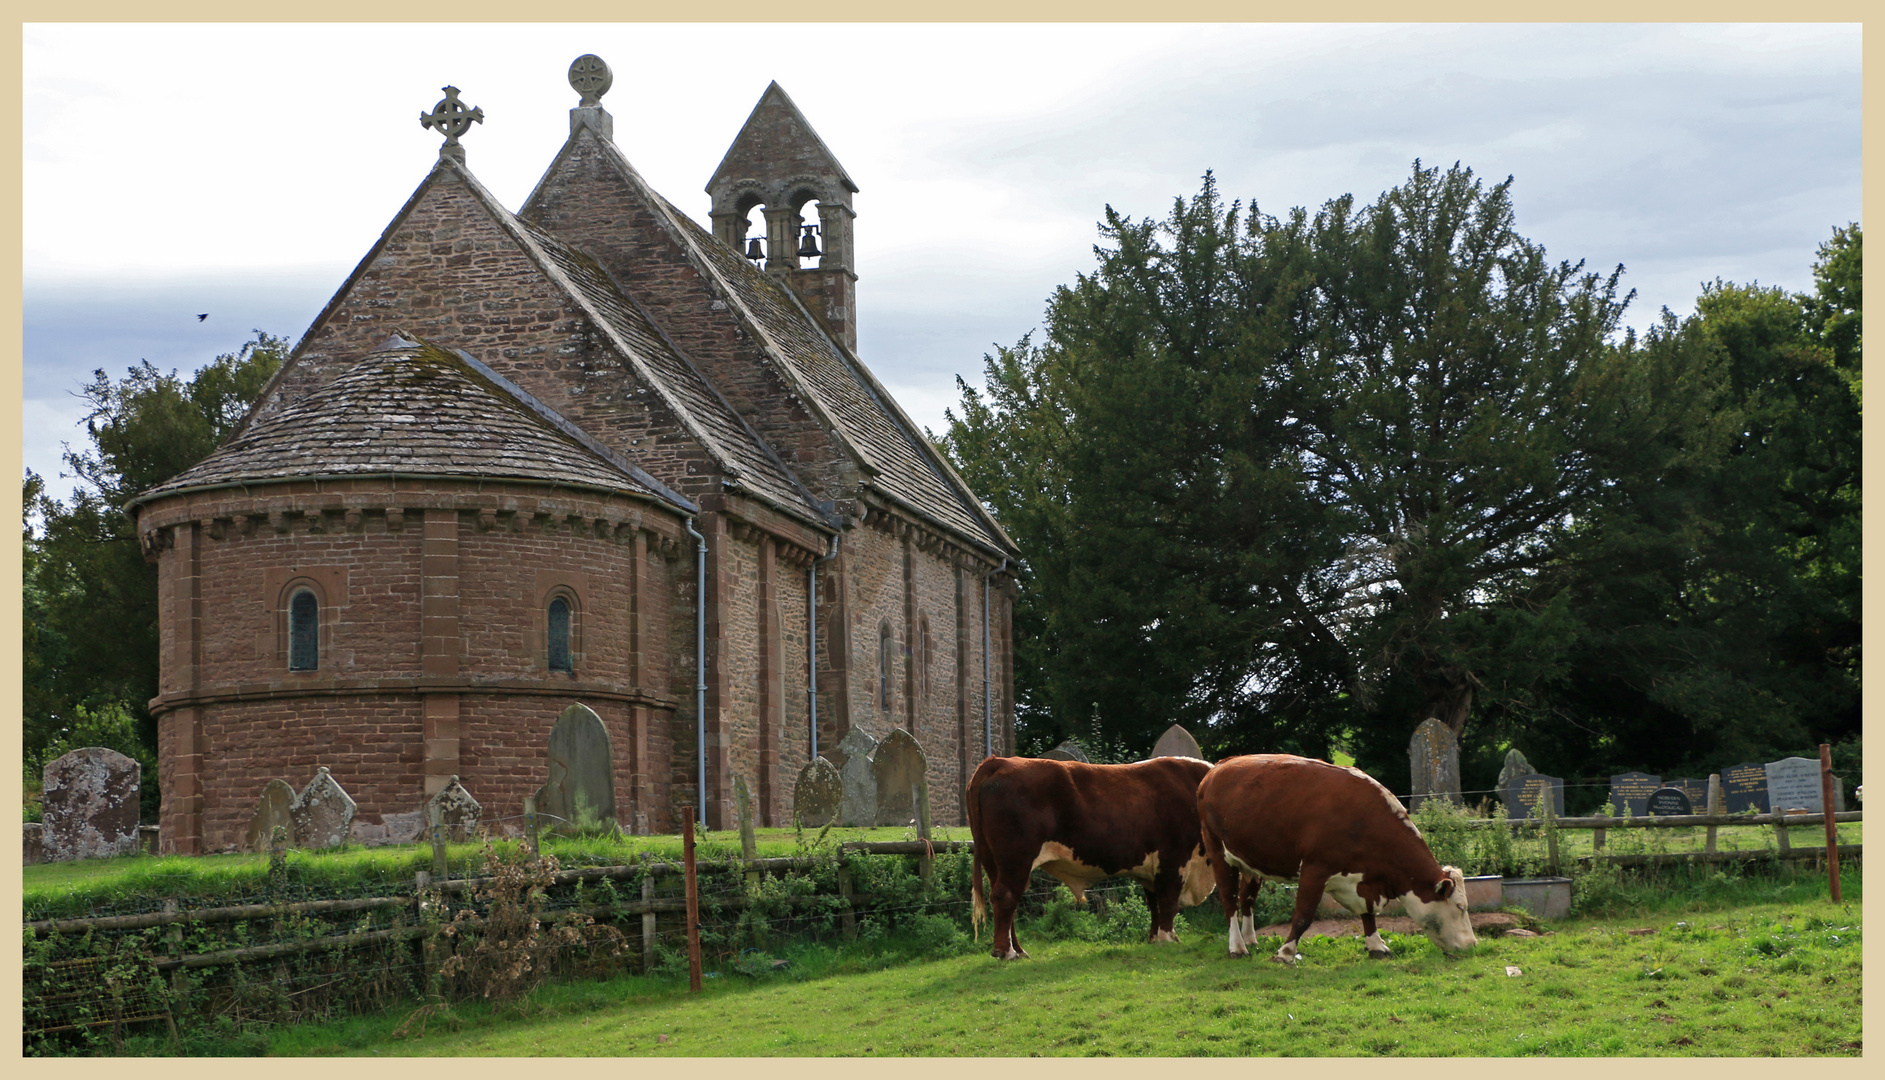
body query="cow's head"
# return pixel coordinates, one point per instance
(1441, 912)
(1199, 880)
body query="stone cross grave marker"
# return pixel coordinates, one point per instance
(90, 805)
(581, 788)
(1744, 787)
(1669, 801)
(458, 812)
(1067, 751)
(1794, 783)
(901, 771)
(819, 793)
(273, 808)
(322, 813)
(1631, 791)
(1433, 755)
(1522, 793)
(859, 799)
(1177, 742)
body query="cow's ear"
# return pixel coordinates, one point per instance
(1445, 888)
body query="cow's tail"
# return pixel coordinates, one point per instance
(978, 906)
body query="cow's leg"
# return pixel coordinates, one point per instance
(1161, 894)
(1308, 895)
(1226, 876)
(1377, 948)
(1005, 898)
(1247, 891)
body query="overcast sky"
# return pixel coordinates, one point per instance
(243, 170)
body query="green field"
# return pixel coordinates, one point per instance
(1729, 974)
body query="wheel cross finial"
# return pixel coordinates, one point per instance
(591, 78)
(450, 118)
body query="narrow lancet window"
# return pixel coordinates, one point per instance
(559, 636)
(304, 632)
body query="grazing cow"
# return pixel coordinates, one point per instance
(1277, 817)
(1083, 823)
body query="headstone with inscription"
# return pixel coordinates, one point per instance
(1523, 793)
(1695, 789)
(89, 800)
(322, 813)
(1744, 787)
(1514, 765)
(1670, 801)
(458, 812)
(901, 771)
(1630, 792)
(1433, 754)
(1066, 751)
(1177, 742)
(271, 810)
(858, 806)
(1794, 784)
(819, 793)
(580, 792)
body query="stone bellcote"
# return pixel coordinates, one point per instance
(778, 163)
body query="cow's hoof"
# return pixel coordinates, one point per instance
(1379, 954)
(1288, 961)
(1243, 955)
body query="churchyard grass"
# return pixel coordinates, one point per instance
(1754, 966)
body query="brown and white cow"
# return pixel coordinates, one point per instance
(1083, 823)
(1277, 817)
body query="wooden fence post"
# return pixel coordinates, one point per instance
(1826, 813)
(1551, 836)
(849, 915)
(530, 826)
(428, 944)
(749, 843)
(434, 816)
(1715, 808)
(1780, 831)
(693, 900)
(648, 925)
(921, 795)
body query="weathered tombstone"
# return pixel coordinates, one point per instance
(322, 813)
(1067, 751)
(272, 809)
(581, 789)
(901, 771)
(458, 812)
(819, 793)
(1696, 790)
(32, 843)
(859, 800)
(407, 827)
(1177, 742)
(1515, 765)
(89, 798)
(1669, 801)
(1630, 792)
(1794, 784)
(1434, 757)
(1523, 793)
(1744, 787)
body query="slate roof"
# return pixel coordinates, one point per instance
(414, 408)
(904, 467)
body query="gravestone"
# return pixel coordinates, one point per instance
(1696, 790)
(1067, 751)
(1177, 742)
(581, 788)
(1744, 787)
(322, 814)
(819, 793)
(1433, 755)
(1515, 765)
(89, 800)
(272, 809)
(1522, 793)
(1668, 801)
(458, 812)
(858, 803)
(1794, 783)
(901, 772)
(1631, 791)
(32, 843)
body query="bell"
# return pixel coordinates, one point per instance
(808, 249)
(753, 250)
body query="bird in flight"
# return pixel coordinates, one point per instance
(202, 317)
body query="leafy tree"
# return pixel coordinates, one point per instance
(91, 599)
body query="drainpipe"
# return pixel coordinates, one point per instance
(988, 688)
(700, 665)
(811, 654)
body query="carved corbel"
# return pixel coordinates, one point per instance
(487, 520)
(395, 519)
(351, 517)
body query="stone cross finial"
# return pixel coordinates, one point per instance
(450, 118)
(591, 78)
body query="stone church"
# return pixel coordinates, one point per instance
(585, 452)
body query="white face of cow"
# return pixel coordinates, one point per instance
(1444, 921)
(1199, 880)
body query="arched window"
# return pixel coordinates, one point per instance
(886, 650)
(560, 659)
(304, 632)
